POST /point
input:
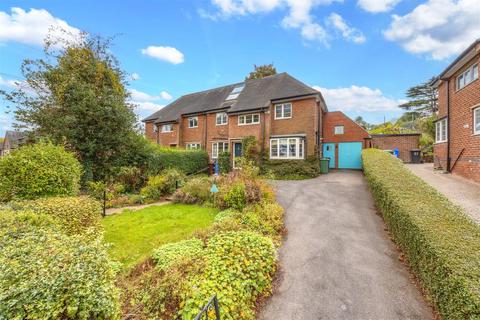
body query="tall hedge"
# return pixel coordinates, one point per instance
(47, 274)
(187, 161)
(38, 170)
(441, 243)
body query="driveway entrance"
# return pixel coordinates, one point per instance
(337, 261)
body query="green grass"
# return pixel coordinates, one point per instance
(134, 234)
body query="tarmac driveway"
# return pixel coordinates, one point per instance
(337, 261)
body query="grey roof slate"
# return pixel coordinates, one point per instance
(256, 94)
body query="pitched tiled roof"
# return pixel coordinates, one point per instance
(15, 138)
(256, 94)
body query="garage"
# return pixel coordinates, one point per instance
(350, 155)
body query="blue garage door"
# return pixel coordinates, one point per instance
(329, 152)
(350, 155)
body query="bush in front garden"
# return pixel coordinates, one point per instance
(38, 170)
(292, 169)
(76, 215)
(163, 184)
(239, 267)
(175, 253)
(187, 161)
(224, 162)
(46, 274)
(441, 243)
(196, 190)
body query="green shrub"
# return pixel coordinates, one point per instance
(226, 214)
(38, 170)
(174, 253)
(163, 184)
(196, 190)
(239, 268)
(265, 218)
(235, 197)
(441, 243)
(46, 274)
(75, 214)
(224, 162)
(292, 169)
(187, 161)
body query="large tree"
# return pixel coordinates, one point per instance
(262, 71)
(75, 95)
(423, 98)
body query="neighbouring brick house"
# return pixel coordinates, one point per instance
(404, 142)
(457, 138)
(289, 119)
(12, 140)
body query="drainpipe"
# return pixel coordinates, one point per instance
(448, 126)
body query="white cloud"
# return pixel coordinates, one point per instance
(137, 95)
(165, 95)
(355, 98)
(375, 6)
(30, 27)
(9, 83)
(135, 76)
(168, 54)
(5, 122)
(147, 106)
(299, 14)
(348, 33)
(438, 28)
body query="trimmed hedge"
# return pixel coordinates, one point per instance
(75, 215)
(38, 170)
(441, 243)
(292, 169)
(46, 274)
(187, 161)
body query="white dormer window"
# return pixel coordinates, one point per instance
(283, 111)
(193, 122)
(167, 128)
(235, 92)
(221, 119)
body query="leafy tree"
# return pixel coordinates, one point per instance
(423, 98)
(409, 120)
(362, 123)
(262, 71)
(76, 96)
(389, 128)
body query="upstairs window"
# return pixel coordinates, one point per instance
(283, 111)
(248, 119)
(221, 118)
(167, 127)
(218, 147)
(193, 146)
(235, 92)
(339, 129)
(476, 121)
(193, 122)
(441, 131)
(467, 77)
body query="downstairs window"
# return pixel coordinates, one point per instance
(287, 148)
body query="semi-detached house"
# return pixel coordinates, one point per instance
(286, 116)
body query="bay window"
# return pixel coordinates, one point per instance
(287, 148)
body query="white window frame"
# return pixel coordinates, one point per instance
(299, 148)
(195, 119)
(244, 116)
(476, 118)
(441, 131)
(223, 116)
(193, 146)
(165, 126)
(463, 80)
(339, 127)
(282, 106)
(215, 148)
(155, 128)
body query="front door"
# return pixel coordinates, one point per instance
(237, 152)
(329, 152)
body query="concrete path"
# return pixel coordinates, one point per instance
(111, 211)
(337, 260)
(459, 190)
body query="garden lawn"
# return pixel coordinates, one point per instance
(134, 234)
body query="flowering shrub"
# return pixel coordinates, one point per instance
(163, 184)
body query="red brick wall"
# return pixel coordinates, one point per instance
(352, 131)
(168, 138)
(193, 135)
(303, 121)
(150, 132)
(214, 132)
(466, 163)
(404, 143)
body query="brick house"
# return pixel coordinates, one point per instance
(457, 138)
(12, 141)
(404, 142)
(289, 119)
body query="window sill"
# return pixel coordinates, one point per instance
(248, 124)
(219, 125)
(285, 158)
(286, 118)
(440, 142)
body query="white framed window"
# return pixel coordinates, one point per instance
(192, 146)
(193, 122)
(476, 120)
(467, 77)
(287, 148)
(167, 127)
(218, 147)
(283, 111)
(441, 130)
(247, 119)
(339, 130)
(221, 119)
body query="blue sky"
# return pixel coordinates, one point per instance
(361, 54)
